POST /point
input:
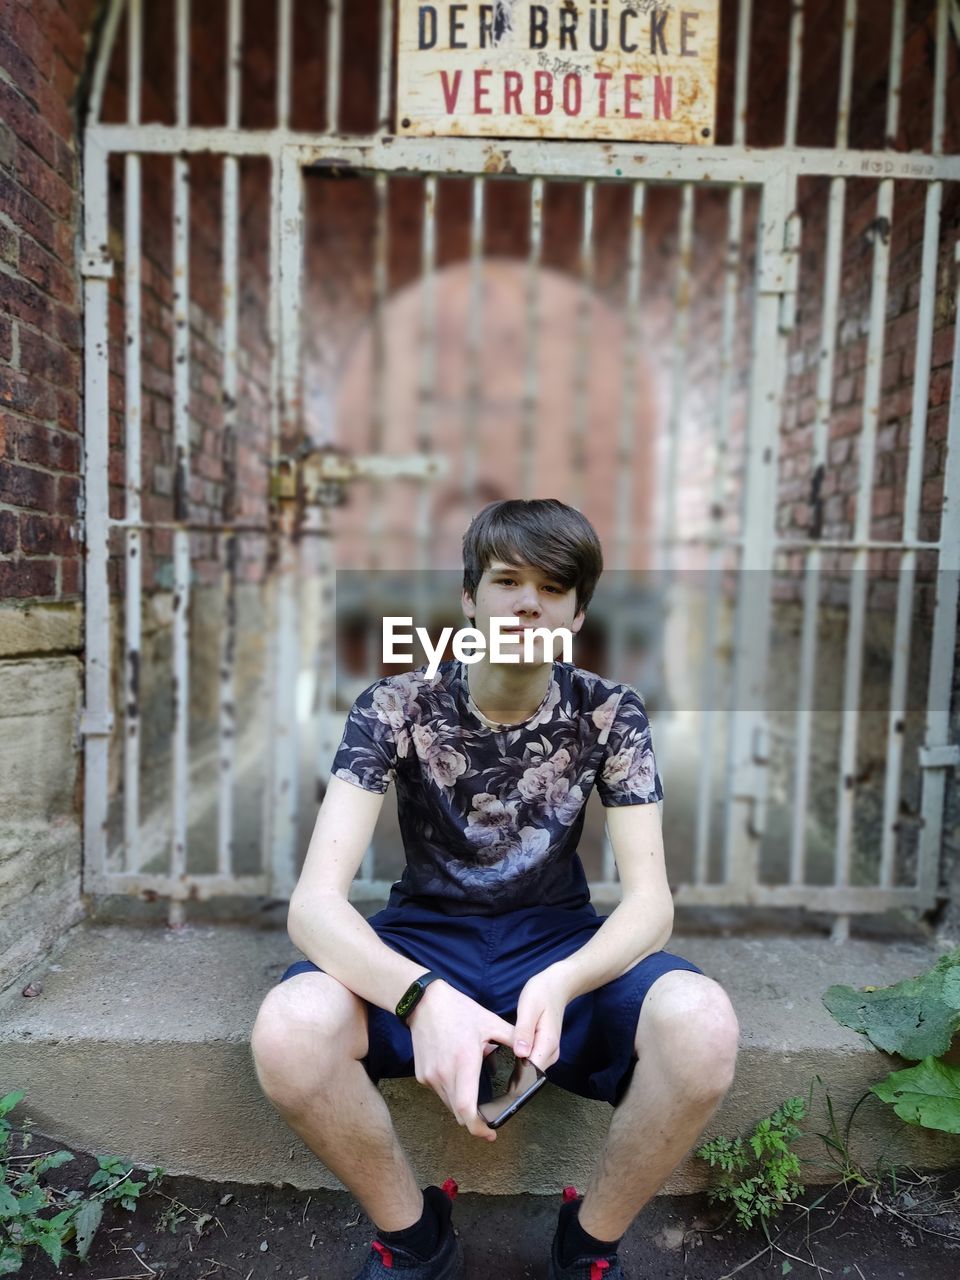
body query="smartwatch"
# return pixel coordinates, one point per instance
(414, 994)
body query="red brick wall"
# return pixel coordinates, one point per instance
(42, 54)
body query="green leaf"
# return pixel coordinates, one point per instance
(917, 1018)
(10, 1260)
(53, 1161)
(11, 1100)
(9, 1205)
(30, 1203)
(87, 1220)
(927, 1094)
(52, 1246)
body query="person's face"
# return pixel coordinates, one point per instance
(528, 594)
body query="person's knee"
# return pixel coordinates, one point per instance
(305, 1029)
(693, 1024)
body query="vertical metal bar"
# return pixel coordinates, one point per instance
(793, 73)
(98, 717)
(734, 235)
(821, 430)
(747, 782)
(334, 53)
(282, 592)
(181, 442)
(531, 376)
(937, 728)
(284, 61)
(381, 262)
(132, 450)
(853, 663)
(721, 431)
(108, 38)
(290, 264)
(744, 19)
(386, 63)
(581, 375)
(428, 371)
(474, 341)
(625, 459)
(681, 337)
(911, 503)
(228, 541)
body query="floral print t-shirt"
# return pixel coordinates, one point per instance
(491, 815)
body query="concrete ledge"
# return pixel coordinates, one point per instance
(138, 1046)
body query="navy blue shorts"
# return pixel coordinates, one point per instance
(490, 958)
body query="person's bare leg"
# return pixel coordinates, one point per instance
(308, 1040)
(686, 1049)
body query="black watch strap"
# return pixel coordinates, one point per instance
(414, 994)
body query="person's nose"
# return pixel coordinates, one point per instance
(528, 603)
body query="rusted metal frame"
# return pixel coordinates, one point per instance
(819, 446)
(806, 897)
(615, 161)
(474, 353)
(747, 751)
(853, 661)
(334, 53)
(579, 461)
(531, 370)
(939, 751)
(191, 888)
(911, 505)
(715, 563)
(133, 425)
(623, 497)
(97, 722)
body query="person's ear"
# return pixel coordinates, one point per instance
(578, 621)
(468, 605)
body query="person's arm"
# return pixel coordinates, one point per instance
(451, 1033)
(637, 927)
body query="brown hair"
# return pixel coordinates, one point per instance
(542, 532)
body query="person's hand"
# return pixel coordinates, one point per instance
(540, 1017)
(452, 1034)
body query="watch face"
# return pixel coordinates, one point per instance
(408, 1000)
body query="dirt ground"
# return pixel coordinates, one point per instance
(190, 1229)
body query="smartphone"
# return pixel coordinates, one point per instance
(527, 1078)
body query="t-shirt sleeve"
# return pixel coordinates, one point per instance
(367, 754)
(628, 773)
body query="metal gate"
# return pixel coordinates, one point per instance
(724, 857)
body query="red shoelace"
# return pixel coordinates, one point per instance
(601, 1265)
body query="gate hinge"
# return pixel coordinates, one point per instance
(96, 266)
(93, 726)
(791, 273)
(945, 757)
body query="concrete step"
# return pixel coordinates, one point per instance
(138, 1046)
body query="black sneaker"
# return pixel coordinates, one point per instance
(390, 1262)
(586, 1268)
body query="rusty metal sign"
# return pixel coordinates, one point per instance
(633, 70)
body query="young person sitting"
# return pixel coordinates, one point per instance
(489, 938)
